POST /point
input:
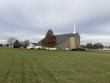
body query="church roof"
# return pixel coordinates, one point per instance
(34, 44)
(62, 38)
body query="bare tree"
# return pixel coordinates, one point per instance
(25, 43)
(11, 41)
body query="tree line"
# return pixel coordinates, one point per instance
(49, 41)
(93, 46)
(15, 43)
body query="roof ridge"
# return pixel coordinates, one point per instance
(64, 34)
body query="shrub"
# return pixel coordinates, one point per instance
(78, 49)
(32, 48)
(39, 49)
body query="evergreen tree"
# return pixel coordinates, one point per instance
(16, 44)
(49, 40)
(1, 45)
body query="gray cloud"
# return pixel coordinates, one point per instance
(30, 19)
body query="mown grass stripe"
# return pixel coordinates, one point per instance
(9, 69)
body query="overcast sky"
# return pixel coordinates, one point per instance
(30, 19)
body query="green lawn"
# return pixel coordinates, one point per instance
(32, 66)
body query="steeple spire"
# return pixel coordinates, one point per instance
(75, 31)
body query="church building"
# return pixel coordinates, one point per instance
(67, 41)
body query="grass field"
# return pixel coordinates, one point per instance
(32, 66)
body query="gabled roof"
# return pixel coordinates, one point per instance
(34, 44)
(62, 38)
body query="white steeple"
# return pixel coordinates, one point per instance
(75, 31)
